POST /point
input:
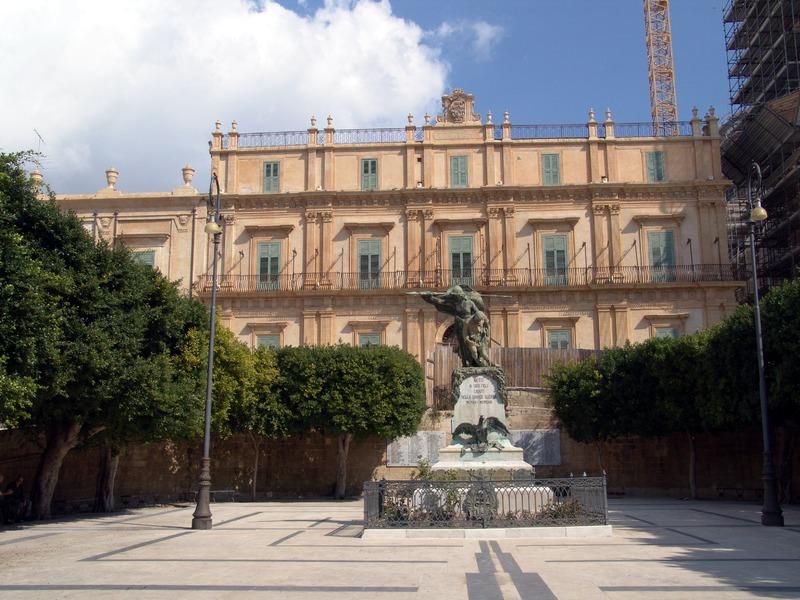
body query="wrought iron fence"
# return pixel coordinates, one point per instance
(475, 277)
(482, 503)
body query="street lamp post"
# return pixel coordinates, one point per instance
(202, 514)
(771, 513)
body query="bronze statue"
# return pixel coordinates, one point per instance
(471, 323)
(477, 436)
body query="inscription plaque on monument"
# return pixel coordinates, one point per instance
(408, 451)
(539, 446)
(478, 396)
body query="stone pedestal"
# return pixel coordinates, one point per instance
(480, 392)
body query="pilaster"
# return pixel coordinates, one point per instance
(599, 243)
(413, 218)
(428, 242)
(614, 236)
(509, 240)
(495, 228)
(326, 246)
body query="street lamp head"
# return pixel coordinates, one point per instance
(758, 213)
(212, 228)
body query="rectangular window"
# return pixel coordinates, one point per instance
(666, 332)
(271, 178)
(554, 248)
(145, 257)
(655, 166)
(268, 341)
(559, 339)
(458, 172)
(551, 169)
(269, 257)
(369, 174)
(369, 264)
(369, 339)
(662, 255)
(461, 259)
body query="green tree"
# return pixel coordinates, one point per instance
(88, 326)
(261, 414)
(352, 392)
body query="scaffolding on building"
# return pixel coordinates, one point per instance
(762, 40)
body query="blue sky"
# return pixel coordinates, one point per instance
(138, 84)
(555, 58)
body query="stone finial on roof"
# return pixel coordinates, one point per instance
(36, 178)
(313, 121)
(506, 117)
(608, 115)
(330, 121)
(427, 119)
(218, 125)
(188, 174)
(592, 118)
(489, 118)
(410, 118)
(111, 177)
(695, 112)
(234, 125)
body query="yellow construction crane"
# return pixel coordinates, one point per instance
(658, 36)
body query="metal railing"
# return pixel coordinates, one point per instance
(478, 278)
(541, 132)
(393, 135)
(369, 136)
(636, 130)
(482, 503)
(273, 139)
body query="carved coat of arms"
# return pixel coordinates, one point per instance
(457, 107)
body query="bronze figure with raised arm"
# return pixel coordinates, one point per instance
(471, 323)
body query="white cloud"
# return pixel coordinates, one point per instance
(138, 85)
(481, 36)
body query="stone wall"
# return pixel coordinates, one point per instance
(728, 465)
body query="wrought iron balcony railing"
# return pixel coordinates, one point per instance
(477, 278)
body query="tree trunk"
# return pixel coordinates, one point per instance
(104, 492)
(341, 465)
(256, 441)
(60, 439)
(692, 467)
(599, 446)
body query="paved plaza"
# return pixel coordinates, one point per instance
(659, 549)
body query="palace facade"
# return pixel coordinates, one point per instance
(583, 236)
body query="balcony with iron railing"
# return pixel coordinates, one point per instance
(481, 279)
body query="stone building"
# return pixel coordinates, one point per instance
(582, 236)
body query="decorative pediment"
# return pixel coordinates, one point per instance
(457, 109)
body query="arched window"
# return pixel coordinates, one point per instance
(449, 336)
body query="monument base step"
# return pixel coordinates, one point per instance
(462, 458)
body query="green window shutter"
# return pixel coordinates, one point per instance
(461, 258)
(458, 172)
(551, 169)
(269, 260)
(662, 255)
(662, 248)
(369, 262)
(268, 341)
(369, 339)
(145, 257)
(655, 166)
(554, 248)
(369, 174)
(559, 339)
(666, 332)
(271, 177)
